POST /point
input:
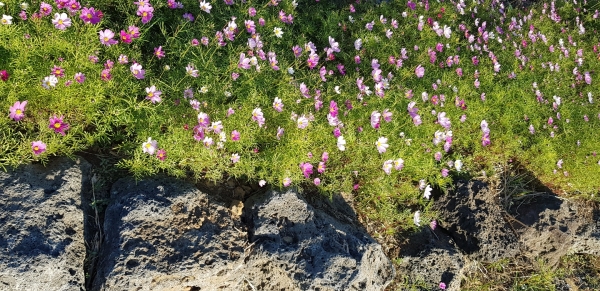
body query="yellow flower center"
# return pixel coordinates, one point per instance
(144, 14)
(4, 21)
(57, 125)
(57, 72)
(150, 94)
(105, 38)
(89, 15)
(60, 21)
(36, 148)
(19, 112)
(148, 145)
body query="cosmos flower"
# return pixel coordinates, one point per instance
(17, 111)
(205, 6)
(106, 37)
(149, 146)
(382, 144)
(420, 71)
(58, 125)
(137, 71)
(161, 154)
(153, 94)
(387, 166)
(38, 147)
(61, 21)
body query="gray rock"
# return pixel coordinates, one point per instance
(313, 249)
(42, 226)
(163, 234)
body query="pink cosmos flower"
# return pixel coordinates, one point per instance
(382, 144)
(149, 146)
(375, 119)
(277, 104)
(317, 181)
(443, 120)
(321, 167)
(17, 111)
(45, 9)
(203, 119)
(307, 169)
(106, 37)
(325, 156)
(398, 164)
(387, 115)
(302, 122)
(161, 154)
(90, 15)
(80, 77)
(58, 125)
(159, 53)
(257, 115)
(235, 135)
(235, 158)
(420, 71)
(137, 71)
(153, 95)
(105, 75)
(280, 132)
(208, 141)
(38, 147)
(146, 12)
(61, 21)
(58, 71)
(216, 127)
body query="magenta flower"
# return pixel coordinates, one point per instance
(105, 75)
(325, 156)
(235, 135)
(4, 75)
(321, 167)
(485, 139)
(317, 181)
(307, 169)
(45, 9)
(203, 119)
(420, 71)
(161, 154)
(90, 15)
(61, 21)
(442, 284)
(146, 12)
(125, 37)
(153, 95)
(106, 37)
(80, 77)
(38, 147)
(137, 71)
(58, 125)
(159, 53)
(17, 111)
(257, 115)
(134, 31)
(58, 71)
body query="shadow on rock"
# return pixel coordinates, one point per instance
(474, 227)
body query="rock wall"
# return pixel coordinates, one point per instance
(42, 226)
